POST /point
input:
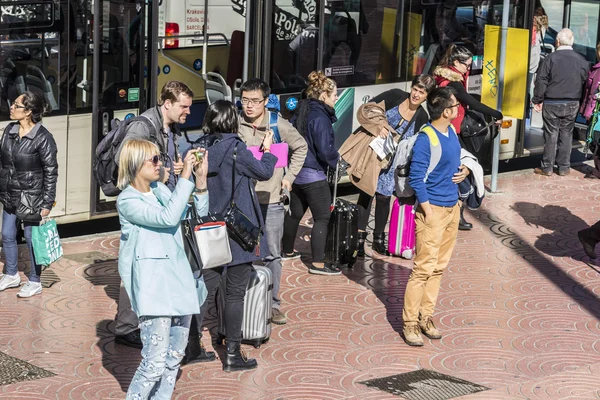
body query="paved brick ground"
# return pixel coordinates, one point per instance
(518, 308)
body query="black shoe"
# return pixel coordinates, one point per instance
(132, 339)
(290, 256)
(327, 269)
(235, 360)
(195, 352)
(362, 237)
(463, 225)
(589, 245)
(379, 244)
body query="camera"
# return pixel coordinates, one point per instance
(200, 155)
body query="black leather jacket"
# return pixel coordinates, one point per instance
(28, 165)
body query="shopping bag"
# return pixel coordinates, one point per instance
(46, 243)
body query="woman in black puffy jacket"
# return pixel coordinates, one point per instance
(28, 175)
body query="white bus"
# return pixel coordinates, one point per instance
(95, 60)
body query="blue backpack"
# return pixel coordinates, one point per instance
(274, 107)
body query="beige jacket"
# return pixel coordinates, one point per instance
(365, 166)
(269, 192)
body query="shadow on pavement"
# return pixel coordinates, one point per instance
(387, 280)
(119, 361)
(562, 224)
(561, 242)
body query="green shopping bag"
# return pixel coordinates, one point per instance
(46, 243)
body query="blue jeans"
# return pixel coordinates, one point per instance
(164, 339)
(274, 215)
(11, 251)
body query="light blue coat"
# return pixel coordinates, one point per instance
(152, 263)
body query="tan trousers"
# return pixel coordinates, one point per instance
(436, 238)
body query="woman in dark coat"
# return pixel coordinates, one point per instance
(28, 175)
(406, 115)
(314, 120)
(221, 124)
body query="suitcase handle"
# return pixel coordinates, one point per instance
(335, 184)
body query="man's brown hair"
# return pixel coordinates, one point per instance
(172, 90)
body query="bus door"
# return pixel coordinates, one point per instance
(582, 17)
(119, 74)
(33, 57)
(584, 21)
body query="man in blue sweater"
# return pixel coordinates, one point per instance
(435, 172)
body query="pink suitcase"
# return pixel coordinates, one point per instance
(401, 240)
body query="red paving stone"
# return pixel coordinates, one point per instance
(518, 308)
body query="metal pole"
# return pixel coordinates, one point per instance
(501, 70)
(152, 54)
(141, 81)
(267, 33)
(567, 14)
(205, 31)
(247, 40)
(258, 47)
(321, 35)
(96, 117)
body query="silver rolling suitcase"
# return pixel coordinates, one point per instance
(258, 304)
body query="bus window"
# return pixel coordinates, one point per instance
(31, 55)
(120, 24)
(443, 23)
(294, 44)
(353, 40)
(584, 24)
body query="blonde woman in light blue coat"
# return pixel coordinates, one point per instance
(153, 266)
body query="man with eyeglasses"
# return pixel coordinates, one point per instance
(435, 172)
(161, 126)
(256, 121)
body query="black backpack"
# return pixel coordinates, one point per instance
(105, 167)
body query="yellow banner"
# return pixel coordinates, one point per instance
(516, 70)
(385, 67)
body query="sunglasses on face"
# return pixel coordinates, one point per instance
(154, 160)
(15, 105)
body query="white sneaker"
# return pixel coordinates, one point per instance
(9, 281)
(30, 289)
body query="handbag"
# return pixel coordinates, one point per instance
(46, 243)
(473, 124)
(241, 228)
(206, 242)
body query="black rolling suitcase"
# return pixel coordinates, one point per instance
(342, 233)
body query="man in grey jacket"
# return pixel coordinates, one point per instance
(256, 120)
(172, 109)
(558, 87)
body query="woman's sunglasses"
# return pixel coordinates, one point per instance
(154, 160)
